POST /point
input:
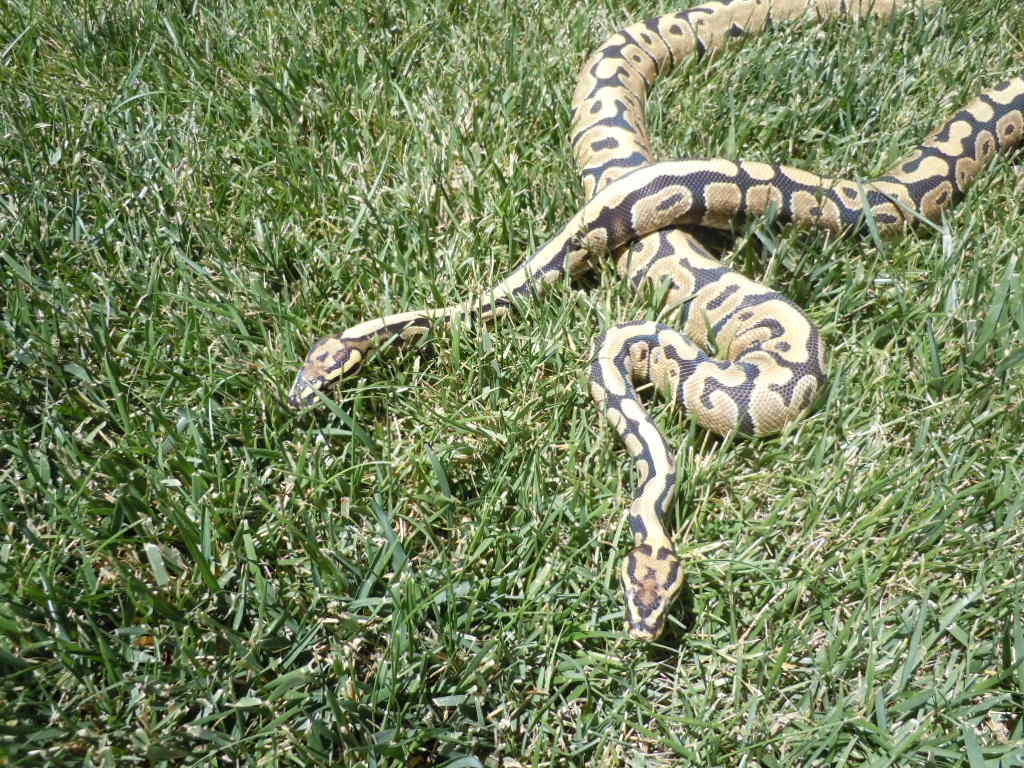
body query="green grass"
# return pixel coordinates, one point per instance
(426, 572)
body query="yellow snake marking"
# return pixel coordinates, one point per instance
(762, 198)
(771, 359)
(723, 201)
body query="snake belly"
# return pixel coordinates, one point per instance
(769, 365)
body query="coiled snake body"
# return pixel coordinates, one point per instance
(771, 359)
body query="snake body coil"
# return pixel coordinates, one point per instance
(771, 359)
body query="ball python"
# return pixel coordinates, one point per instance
(769, 363)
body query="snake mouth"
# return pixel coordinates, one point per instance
(645, 625)
(642, 629)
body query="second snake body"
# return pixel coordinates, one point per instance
(770, 363)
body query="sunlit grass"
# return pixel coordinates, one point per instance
(425, 572)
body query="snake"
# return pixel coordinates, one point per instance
(744, 358)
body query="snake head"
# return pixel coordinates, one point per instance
(330, 358)
(651, 576)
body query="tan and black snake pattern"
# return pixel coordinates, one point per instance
(771, 359)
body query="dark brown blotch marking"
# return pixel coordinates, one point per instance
(669, 202)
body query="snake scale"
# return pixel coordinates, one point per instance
(770, 364)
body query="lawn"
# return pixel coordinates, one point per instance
(424, 571)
